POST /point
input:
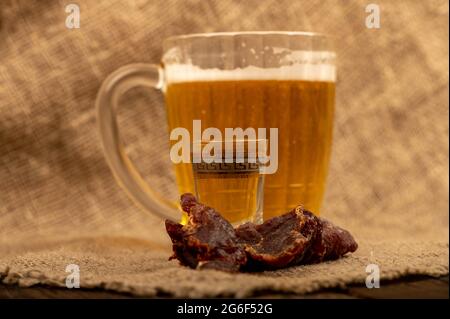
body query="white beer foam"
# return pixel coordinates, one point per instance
(306, 66)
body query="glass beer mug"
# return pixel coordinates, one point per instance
(283, 80)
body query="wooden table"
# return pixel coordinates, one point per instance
(408, 287)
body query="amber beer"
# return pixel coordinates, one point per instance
(231, 178)
(302, 110)
(216, 188)
(278, 82)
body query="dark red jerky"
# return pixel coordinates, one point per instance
(280, 241)
(333, 243)
(188, 201)
(208, 241)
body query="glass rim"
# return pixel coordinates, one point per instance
(232, 140)
(189, 36)
(238, 146)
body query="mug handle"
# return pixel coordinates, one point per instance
(114, 86)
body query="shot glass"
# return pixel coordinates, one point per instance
(229, 176)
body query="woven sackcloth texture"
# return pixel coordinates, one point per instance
(60, 205)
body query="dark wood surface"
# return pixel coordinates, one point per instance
(409, 287)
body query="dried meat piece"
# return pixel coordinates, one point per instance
(207, 240)
(333, 243)
(187, 201)
(280, 241)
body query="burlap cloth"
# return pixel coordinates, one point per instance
(59, 204)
